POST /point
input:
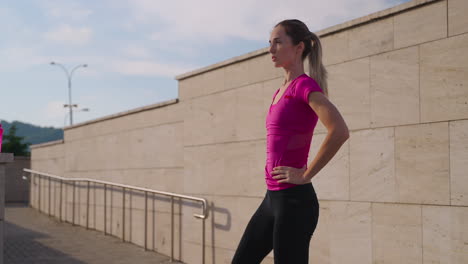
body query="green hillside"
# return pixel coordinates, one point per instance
(33, 134)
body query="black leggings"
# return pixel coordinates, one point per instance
(284, 222)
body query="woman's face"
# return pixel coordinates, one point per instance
(282, 50)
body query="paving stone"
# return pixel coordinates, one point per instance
(32, 237)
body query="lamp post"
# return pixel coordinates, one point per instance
(69, 76)
(80, 110)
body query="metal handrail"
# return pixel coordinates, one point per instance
(202, 216)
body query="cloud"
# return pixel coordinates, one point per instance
(54, 112)
(20, 58)
(136, 51)
(214, 21)
(65, 34)
(148, 68)
(65, 9)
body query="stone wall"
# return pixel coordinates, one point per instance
(5, 158)
(17, 189)
(395, 192)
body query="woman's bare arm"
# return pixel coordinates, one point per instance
(337, 132)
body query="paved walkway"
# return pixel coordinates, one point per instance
(32, 237)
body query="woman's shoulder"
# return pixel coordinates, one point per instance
(305, 79)
(306, 82)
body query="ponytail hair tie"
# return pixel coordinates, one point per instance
(311, 35)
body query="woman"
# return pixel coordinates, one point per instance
(288, 214)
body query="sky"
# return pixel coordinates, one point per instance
(133, 48)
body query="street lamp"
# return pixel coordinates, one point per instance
(80, 110)
(69, 76)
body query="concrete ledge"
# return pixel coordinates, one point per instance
(47, 144)
(322, 33)
(128, 112)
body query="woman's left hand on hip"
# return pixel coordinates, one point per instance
(285, 174)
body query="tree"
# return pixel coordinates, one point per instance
(13, 143)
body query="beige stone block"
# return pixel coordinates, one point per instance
(191, 87)
(81, 154)
(394, 85)
(198, 121)
(343, 233)
(262, 68)
(160, 179)
(250, 112)
(349, 91)
(238, 74)
(320, 243)
(159, 146)
(332, 181)
(372, 165)
(165, 115)
(444, 79)
(228, 169)
(54, 166)
(351, 236)
(48, 152)
(372, 38)
(213, 81)
(458, 162)
(48, 159)
(445, 234)
(423, 24)
(125, 121)
(422, 163)
(457, 19)
(212, 116)
(335, 48)
(202, 84)
(396, 233)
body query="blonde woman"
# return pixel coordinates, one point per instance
(288, 215)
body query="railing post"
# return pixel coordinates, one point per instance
(73, 203)
(40, 200)
(49, 198)
(105, 209)
(87, 207)
(123, 214)
(146, 219)
(172, 228)
(60, 200)
(31, 185)
(203, 242)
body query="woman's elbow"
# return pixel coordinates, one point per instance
(340, 132)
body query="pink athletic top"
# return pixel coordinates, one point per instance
(290, 124)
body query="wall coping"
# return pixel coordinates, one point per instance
(124, 113)
(322, 33)
(47, 144)
(6, 157)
